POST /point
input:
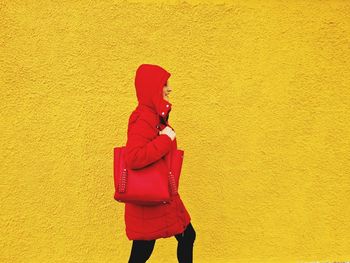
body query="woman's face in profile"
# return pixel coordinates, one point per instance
(166, 91)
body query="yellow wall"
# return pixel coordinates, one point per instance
(261, 106)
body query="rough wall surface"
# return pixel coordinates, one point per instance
(261, 106)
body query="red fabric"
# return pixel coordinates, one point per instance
(145, 146)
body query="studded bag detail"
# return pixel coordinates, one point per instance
(174, 161)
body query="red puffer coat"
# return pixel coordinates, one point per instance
(144, 146)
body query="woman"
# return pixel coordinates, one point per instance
(150, 137)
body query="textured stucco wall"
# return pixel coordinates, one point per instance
(261, 106)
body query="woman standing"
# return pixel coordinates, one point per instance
(150, 137)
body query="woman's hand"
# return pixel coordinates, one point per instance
(168, 131)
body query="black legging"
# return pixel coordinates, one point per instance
(141, 250)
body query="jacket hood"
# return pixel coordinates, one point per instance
(149, 82)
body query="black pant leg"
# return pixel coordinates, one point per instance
(141, 250)
(185, 244)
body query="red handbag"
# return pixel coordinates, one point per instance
(153, 184)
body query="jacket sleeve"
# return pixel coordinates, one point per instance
(140, 149)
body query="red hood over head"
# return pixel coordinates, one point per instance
(149, 82)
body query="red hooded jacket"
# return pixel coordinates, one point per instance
(144, 146)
